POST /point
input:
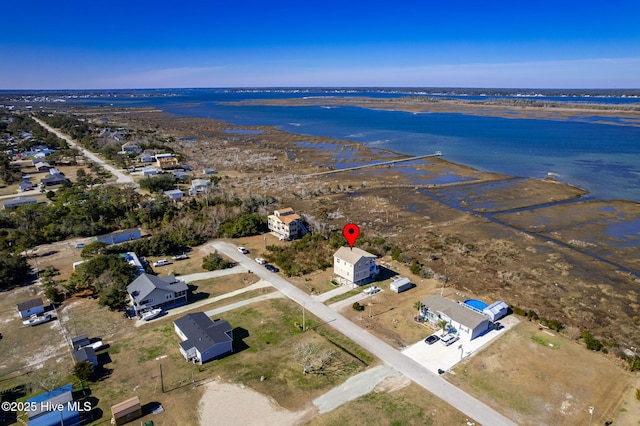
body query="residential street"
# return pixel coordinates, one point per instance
(122, 178)
(462, 401)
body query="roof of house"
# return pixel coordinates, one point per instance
(200, 182)
(123, 408)
(142, 286)
(23, 306)
(80, 341)
(454, 310)
(54, 178)
(284, 211)
(18, 201)
(352, 255)
(131, 232)
(202, 332)
(289, 218)
(174, 192)
(85, 354)
(61, 395)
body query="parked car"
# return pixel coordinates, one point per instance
(431, 339)
(371, 290)
(449, 339)
(80, 245)
(180, 257)
(243, 250)
(161, 262)
(269, 267)
(261, 261)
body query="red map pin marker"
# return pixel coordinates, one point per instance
(351, 233)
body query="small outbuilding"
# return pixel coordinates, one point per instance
(126, 411)
(174, 194)
(496, 310)
(400, 284)
(80, 341)
(30, 307)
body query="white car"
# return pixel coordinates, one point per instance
(243, 250)
(371, 290)
(261, 261)
(161, 262)
(449, 339)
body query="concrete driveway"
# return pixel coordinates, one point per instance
(438, 356)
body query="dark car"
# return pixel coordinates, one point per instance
(269, 267)
(431, 339)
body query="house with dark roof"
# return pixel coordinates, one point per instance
(80, 341)
(354, 266)
(53, 179)
(19, 201)
(119, 236)
(86, 354)
(30, 307)
(148, 292)
(202, 338)
(460, 319)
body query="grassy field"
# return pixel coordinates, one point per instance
(266, 335)
(539, 378)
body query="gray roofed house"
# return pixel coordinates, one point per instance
(30, 307)
(149, 292)
(80, 341)
(53, 179)
(174, 194)
(19, 201)
(202, 338)
(465, 321)
(119, 236)
(86, 354)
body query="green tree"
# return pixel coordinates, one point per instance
(13, 270)
(214, 261)
(245, 225)
(83, 370)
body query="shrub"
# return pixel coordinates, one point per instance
(214, 262)
(591, 342)
(357, 306)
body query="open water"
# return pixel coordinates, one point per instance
(604, 159)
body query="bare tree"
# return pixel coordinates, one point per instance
(312, 357)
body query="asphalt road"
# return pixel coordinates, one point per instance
(454, 396)
(122, 178)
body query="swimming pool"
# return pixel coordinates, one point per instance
(476, 304)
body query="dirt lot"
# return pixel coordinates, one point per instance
(535, 377)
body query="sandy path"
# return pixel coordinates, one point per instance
(226, 404)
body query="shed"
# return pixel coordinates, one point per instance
(30, 307)
(126, 411)
(496, 310)
(400, 284)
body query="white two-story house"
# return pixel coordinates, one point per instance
(354, 266)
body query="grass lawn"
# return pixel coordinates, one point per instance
(410, 405)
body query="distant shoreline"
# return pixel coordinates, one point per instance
(596, 113)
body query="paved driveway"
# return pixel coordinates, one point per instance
(438, 356)
(455, 397)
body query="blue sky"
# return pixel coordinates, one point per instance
(427, 43)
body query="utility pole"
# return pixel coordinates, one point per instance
(304, 327)
(161, 380)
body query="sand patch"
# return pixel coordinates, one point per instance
(226, 404)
